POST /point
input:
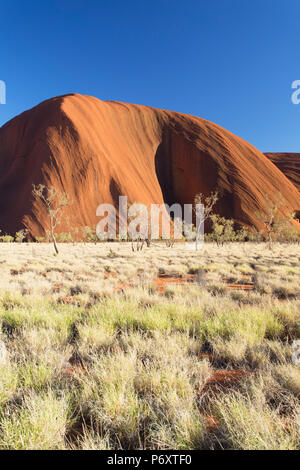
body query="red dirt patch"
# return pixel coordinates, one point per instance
(208, 356)
(166, 279)
(237, 286)
(68, 300)
(109, 274)
(222, 379)
(57, 287)
(211, 423)
(123, 286)
(70, 371)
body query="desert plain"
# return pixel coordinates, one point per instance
(106, 348)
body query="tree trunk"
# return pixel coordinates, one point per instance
(197, 235)
(53, 239)
(54, 243)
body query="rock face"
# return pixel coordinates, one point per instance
(96, 151)
(289, 164)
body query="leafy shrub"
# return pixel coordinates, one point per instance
(64, 237)
(89, 234)
(21, 235)
(223, 230)
(6, 239)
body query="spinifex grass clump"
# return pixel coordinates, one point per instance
(101, 356)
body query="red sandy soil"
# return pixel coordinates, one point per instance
(208, 356)
(96, 150)
(123, 286)
(289, 164)
(223, 379)
(211, 423)
(73, 370)
(247, 286)
(107, 275)
(57, 287)
(164, 280)
(161, 282)
(68, 300)
(241, 286)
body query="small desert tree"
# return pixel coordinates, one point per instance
(208, 204)
(54, 202)
(276, 226)
(222, 229)
(268, 218)
(139, 233)
(176, 230)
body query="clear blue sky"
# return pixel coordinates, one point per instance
(229, 61)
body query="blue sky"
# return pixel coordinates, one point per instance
(229, 61)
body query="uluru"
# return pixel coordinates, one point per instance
(289, 164)
(97, 150)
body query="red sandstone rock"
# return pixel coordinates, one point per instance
(96, 151)
(289, 164)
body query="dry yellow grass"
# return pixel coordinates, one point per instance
(116, 360)
(34, 268)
